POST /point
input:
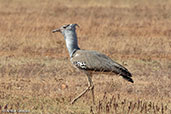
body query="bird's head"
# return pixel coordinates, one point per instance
(66, 28)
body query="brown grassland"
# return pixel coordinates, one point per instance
(35, 71)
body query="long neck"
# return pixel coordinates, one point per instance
(71, 41)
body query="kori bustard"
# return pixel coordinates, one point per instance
(89, 61)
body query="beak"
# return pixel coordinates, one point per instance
(56, 30)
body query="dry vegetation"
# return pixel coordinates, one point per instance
(35, 74)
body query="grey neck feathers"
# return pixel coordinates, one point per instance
(71, 41)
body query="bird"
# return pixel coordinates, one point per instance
(88, 61)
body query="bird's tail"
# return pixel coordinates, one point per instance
(128, 79)
(127, 75)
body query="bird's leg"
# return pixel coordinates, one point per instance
(79, 96)
(90, 87)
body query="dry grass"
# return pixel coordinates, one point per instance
(34, 70)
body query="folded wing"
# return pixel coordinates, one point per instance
(95, 61)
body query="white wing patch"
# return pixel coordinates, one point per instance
(76, 55)
(79, 64)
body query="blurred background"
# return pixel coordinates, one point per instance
(35, 73)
